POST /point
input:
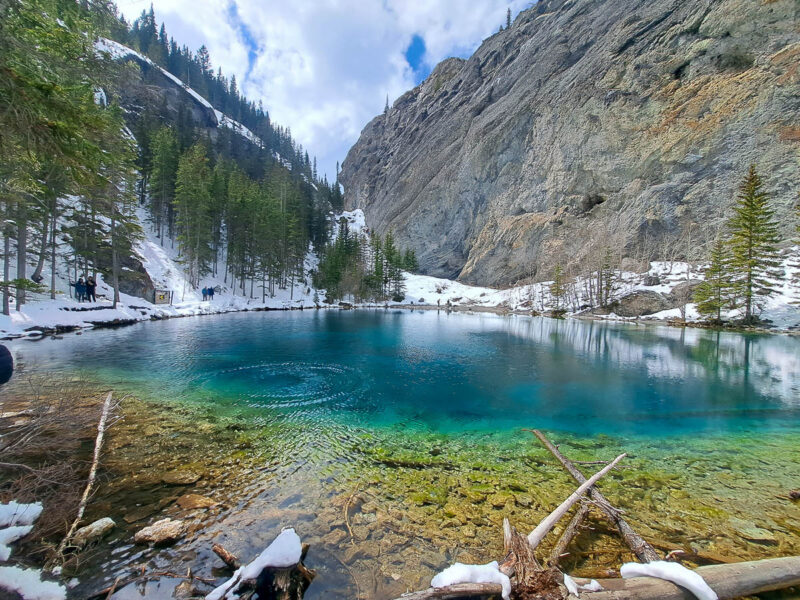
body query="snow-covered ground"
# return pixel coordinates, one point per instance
(163, 266)
(16, 521)
(116, 50)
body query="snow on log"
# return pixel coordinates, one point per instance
(461, 573)
(727, 581)
(285, 551)
(673, 572)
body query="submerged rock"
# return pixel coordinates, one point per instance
(140, 512)
(160, 532)
(93, 531)
(194, 501)
(752, 533)
(180, 477)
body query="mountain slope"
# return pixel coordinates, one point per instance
(588, 126)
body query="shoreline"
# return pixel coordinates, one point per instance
(38, 332)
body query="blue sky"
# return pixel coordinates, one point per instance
(415, 56)
(324, 68)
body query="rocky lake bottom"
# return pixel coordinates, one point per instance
(390, 479)
(384, 511)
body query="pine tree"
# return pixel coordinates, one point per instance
(192, 199)
(715, 292)
(753, 242)
(164, 148)
(558, 289)
(508, 19)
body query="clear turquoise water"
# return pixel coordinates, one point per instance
(289, 417)
(449, 372)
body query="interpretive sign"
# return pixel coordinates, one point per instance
(162, 297)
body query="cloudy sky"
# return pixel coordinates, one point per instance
(324, 67)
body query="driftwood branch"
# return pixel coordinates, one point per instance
(728, 581)
(543, 528)
(98, 446)
(569, 533)
(638, 545)
(226, 556)
(453, 592)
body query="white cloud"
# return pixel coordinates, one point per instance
(323, 68)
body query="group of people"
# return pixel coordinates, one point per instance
(85, 289)
(208, 293)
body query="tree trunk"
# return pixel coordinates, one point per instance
(53, 245)
(37, 272)
(114, 260)
(6, 270)
(22, 252)
(94, 247)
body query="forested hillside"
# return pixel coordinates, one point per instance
(89, 135)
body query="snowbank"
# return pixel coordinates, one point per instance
(17, 522)
(461, 573)
(28, 584)
(11, 534)
(15, 513)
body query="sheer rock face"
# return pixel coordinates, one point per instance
(589, 125)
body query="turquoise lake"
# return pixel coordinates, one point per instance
(393, 441)
(450, 372)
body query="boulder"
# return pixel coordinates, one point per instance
(94, 531)
(651, 280)
(160, 532)
(683, 292)
(637, 304)
(752, 533)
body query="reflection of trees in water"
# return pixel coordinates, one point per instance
(767, 364)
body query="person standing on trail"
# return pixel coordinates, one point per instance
(80, 289)
(91, 288)
(211, 292)
(205, 294)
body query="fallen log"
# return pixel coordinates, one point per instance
(520, 561)
(728, 581)
(569, 534)
(544, 527)
(643, 551)
(98, 447)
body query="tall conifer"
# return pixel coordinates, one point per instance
(753, 243)
(715, 292)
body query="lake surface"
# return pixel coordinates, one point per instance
(392, 440)
(451, 372)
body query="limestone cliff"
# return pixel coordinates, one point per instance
(588, 124)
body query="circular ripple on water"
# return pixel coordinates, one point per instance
(289, 384)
